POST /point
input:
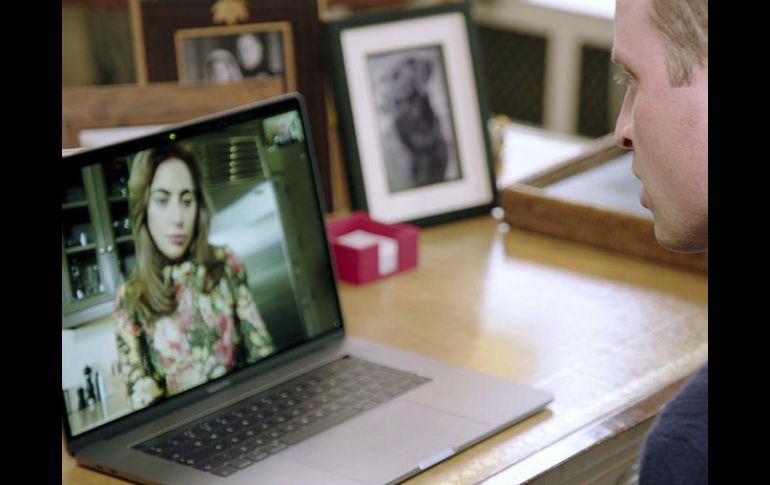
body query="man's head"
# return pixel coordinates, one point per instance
(662, 46)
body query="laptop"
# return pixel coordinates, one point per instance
(315, 405)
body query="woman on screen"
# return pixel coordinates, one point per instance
(186, 314)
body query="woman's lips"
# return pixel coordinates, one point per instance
(179, 240)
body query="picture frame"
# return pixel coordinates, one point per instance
(155, 23)
(412, 113)
(233, 53)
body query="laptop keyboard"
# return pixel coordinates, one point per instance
(245, 433)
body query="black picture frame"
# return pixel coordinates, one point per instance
(412, 113)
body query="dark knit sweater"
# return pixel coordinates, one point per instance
(676, 449)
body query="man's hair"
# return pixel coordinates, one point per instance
(685, 26)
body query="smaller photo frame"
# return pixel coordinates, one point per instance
(234, 53)
(412, 114)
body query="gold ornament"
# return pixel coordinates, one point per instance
(229, 11)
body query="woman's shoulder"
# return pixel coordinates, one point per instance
(120, 295)
(124, 295)
(123, 313)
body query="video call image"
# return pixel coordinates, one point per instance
(184, 263)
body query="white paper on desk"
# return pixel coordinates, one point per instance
(387, 248)
(96, 137)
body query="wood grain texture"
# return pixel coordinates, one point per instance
(606, 333)
(155, 103)
(600, 330)
(530, 208)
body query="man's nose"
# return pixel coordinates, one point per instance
(623, 128)
(623, 142)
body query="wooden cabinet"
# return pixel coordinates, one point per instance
(97, 246)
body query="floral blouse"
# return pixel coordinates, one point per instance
(206, 337)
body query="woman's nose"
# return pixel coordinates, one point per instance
(177, 214)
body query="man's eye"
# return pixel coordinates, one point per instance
(623, 78)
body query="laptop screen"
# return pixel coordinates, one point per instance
(189, 254)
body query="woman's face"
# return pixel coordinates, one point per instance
(172, 209)
(220, 71)
(250, 51)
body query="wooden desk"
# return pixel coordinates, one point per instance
(609, 335)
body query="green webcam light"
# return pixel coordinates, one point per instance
(172, 136)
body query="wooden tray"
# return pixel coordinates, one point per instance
(528, 205)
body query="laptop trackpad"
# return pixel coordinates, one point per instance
(365, 448)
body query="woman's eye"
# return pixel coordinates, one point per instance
(160, 201)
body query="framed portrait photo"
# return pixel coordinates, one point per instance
(412, 114)
(233, 53)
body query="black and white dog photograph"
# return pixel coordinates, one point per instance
(414, 116)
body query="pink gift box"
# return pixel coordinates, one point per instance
(365, 250)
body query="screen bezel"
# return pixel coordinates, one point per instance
(181, 131)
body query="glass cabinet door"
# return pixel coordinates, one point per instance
(115, 181)
(84, 271)
(97, 246)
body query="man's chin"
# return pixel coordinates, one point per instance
(683, 244)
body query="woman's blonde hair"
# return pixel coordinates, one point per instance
(685, 26)
(147, 291)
